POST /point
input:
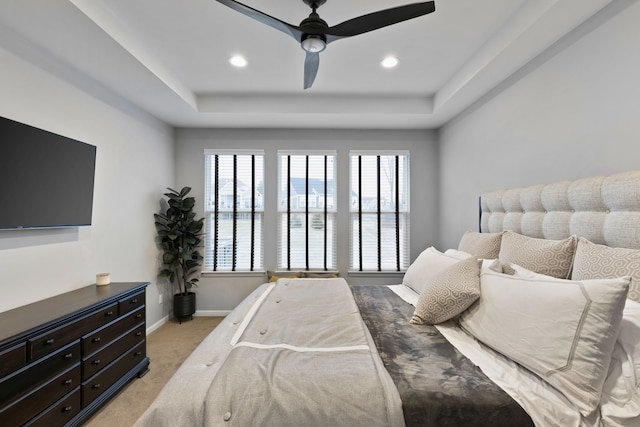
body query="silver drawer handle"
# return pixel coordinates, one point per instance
(50, 341)
(69, 381)
(67, 408)
(68, 355)
(97, 339)
(96, 385)
(96, 362)
(134, 301)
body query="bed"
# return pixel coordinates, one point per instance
(535, 320)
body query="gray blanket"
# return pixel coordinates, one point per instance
(439, 387)
(295, 354)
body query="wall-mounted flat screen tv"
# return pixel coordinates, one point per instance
(46, 180)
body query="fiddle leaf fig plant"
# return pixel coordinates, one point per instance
(180, 235)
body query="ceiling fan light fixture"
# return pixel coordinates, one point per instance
(314, 44)
(389, 62)
(238, 61)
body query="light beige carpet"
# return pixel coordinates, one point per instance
(167, 347)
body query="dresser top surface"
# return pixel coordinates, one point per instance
(23, 319)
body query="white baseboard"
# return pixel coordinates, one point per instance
(156, 325)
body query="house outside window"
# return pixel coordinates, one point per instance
(234, 210)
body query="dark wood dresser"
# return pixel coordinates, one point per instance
(63, 358)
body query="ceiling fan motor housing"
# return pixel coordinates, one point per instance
(314, 3)
(313, 39)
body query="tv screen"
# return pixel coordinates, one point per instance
(46, 180)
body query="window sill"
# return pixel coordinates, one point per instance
(234, 273)
(375, 273)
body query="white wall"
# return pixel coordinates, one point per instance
(220, 292)
(573, 113)
(135, 162)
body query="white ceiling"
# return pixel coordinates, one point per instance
(170, 57)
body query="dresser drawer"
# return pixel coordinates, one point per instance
(46, 343)
(13, 358)
(131, 303)
(60, 413)
(20, 411)
(99, 383)
(102, 358)
(16, 386)
(95, 341)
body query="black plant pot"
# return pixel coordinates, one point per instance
(184, 306)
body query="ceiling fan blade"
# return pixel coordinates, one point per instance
(311, 64)
(286, 28)
(376, 20)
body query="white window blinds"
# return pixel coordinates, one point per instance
(307, 210)
(379, 209)
(234, 210)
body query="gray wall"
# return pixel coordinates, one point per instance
(220, 292)
(573, 113)
(134, 163)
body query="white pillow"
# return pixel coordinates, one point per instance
(458, 254)
(620, 403)
(520, 271)
(562, 330)
(493, 264)
(429, 263)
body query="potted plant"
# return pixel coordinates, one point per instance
(180, 235)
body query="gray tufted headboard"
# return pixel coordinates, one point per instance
(604, 210)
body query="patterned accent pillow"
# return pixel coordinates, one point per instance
(563, 330)
(595, 261)
(482, 245)
(550, 257)
(449, 293)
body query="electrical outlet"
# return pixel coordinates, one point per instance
(160, 299)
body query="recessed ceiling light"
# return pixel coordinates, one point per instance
(389, 62)
(238, 61)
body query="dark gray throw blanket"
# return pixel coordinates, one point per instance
(438, 386)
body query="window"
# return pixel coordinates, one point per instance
(379, 208)
(234, 210)
(306, 210)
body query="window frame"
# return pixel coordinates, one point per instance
(402, 214)
(308, 210)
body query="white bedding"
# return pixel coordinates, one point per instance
(280, 360)
(546, 406)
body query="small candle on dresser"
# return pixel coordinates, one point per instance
(103, 279)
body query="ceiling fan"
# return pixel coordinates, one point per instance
(314, 34)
